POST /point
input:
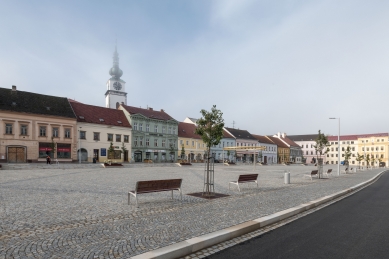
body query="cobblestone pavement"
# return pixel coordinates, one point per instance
(83, 213)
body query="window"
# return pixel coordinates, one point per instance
(82, 135)
(141, 141)
(42, 131)
(163, 143)
(136, 141)
(110, 137)
(363, 149)
(118, 138)
(353, 148)
(332, 155)
(116, 154)
(378, 140)
(382, 148)
(126, 138)
(306, 145)
(163, 129)
(156, 128)
(311, 146)
(174, 130)
(147, 142)
(336, 143)
(367, 141)
(23, 130)
(155, 142)
(343, 142)
(336, 155)
(67, 133)
(181, 142)
(96, 136)
(382, 156)
(194, 145)
(135, 125)
(311, 152)
(55, 132)
(187, 143)
(342, 148)
(328, 155)
(352, 142)
(147, 127)
(342, 155)
(367, 149)
(141, 126)
(8, 128)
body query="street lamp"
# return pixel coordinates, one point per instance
(79, 145)
(338, 144)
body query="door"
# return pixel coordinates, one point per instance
(126, 155)
(138, 156)
(16, 155)
(96, 154)
(265, 159)
(84, 155)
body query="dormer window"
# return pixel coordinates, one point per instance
(101, 120)
(48, 108)
(13, 103)
(81, 117)
(119, 122)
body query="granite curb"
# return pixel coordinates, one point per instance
(198, 243)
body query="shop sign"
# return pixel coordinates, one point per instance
(45, 149)
(63, 149)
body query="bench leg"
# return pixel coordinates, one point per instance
(181, 193)
(257, 184)
(238, 187)
(172, 194)
(129, 198)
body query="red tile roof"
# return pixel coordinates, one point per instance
(277, 141)
(93, 114)
(186, 130)
(355, 137)
(149, 113)
(262, 139)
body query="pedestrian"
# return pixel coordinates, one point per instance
(48, 160)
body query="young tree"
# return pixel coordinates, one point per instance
(210, 128)
(372, 160)
(182, 152)
(53, 146)
(359, 159)
(172, 151)
(260, 156)
(347, 155)
(111, 151)
(124, 149)
(321, 148)
(367, 160)
(228, 155)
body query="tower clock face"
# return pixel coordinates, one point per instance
(117, 86)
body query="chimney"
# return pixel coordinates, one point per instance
(150, 109)
(14, 88)
(279, 135)
(283, 135)
(162, 110)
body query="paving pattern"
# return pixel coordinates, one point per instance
(83, 212)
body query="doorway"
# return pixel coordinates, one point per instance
(16, 155)
(138, 156)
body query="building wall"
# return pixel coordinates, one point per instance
(332, 155)
(195, 149)
(270, 152)
(159, 153)
(308, 150)
(102, 144)
(33, 140)
(283, 154)
(221, 154)
(374, 146)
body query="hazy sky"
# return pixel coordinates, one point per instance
(270, 66)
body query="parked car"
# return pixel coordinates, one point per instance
(382, 164)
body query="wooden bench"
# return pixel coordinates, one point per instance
(155, 186)
(245, 178)
(313, 173)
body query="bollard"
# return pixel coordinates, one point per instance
(287, 178)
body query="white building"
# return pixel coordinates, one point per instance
(307, 143)
(269, 154)
(97, 128)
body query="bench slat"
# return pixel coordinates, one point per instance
(158, 185)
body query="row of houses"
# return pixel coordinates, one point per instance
(34, 126)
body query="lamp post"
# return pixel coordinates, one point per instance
(79, 145)
(338, 143)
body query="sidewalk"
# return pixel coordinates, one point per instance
(77, 213)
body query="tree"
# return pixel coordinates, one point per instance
(347, 155)
(53, 146)
(111, 150)
(321, 148)
(228, 155)
(367, 160)
(372, 160)
(359, 159)
(260, 156)
(182, 152)
(210, 128)
(123, 148)
(171, 151)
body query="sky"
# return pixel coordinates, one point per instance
(269, 66)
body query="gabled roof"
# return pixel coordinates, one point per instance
(149, 113)
(278, 142)
(240, 134)
(20, 101)
(290, 142)
(187, 130)
(307, 137)
(100, 115)
(226, 134)
(263, 139)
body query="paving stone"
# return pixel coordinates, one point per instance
(82, 211)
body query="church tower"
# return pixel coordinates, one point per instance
(115, 86)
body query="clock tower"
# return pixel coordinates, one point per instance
(115, 86)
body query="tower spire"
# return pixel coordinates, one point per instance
(115, 71)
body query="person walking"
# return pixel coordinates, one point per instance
(48, 160)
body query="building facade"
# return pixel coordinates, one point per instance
(97, 128)
(33, 126)
(243, 139)
(269, 154)
(283, 150)
(307, 143)
(376, 145)
(154, 134)
(295, 153)
(194, 147)
(345, 141)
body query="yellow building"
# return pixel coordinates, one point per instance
(375, 145)
(193, 145)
